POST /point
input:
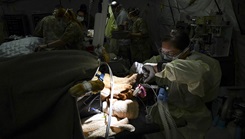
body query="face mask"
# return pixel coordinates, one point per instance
(55, 11)
(166, 58)
(80, 19)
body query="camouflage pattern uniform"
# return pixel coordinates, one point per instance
(52, 29)
(140, 46)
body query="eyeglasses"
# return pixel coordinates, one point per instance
(168, 52)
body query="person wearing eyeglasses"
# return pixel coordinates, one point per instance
(192, 80)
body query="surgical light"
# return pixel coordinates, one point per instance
(113, 3)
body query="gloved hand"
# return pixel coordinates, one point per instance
(136, 68)
(149, 73)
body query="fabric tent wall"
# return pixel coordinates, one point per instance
(203, 8)
(239, 43)
(156, 13)
(29, 7)
(159, 19)
(157, 16)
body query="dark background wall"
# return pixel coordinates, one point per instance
(156, 13)
(30, 7)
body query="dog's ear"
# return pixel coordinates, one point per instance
(121, 96)
(127, 94)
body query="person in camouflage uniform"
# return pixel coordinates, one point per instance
(60, 30)
(140, 43)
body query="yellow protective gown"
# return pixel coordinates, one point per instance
(192, 82)
(111, 26)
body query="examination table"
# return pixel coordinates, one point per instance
(34, 102)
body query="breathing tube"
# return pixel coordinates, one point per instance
(111, 96)
(88, 93)
(168, 122)
(170, 128)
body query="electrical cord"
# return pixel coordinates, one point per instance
(177, 4)
(151, 87)
(148, 116)
(150, 107)
(172, 13)
(164, 120)
(168, 122)
(220, 11)
(89, 105)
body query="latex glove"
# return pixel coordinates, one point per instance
(137, 68)
(149, 73)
